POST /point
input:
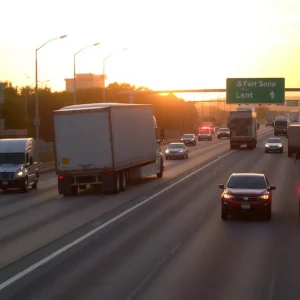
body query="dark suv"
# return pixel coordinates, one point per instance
(247, 192)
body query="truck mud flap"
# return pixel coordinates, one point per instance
(64, 184)
(109, 182)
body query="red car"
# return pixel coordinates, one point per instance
(247, 193)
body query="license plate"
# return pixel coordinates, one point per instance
(5, 183)
(245, 206)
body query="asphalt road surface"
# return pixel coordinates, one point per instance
(161, 239)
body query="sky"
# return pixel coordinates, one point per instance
(170, 44)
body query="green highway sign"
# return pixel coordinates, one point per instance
(291, 103)
(255, 90)
(1, 92)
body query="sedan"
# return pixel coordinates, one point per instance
(223, 132)
(247, 193)
(274, 144)
(176, 150)
(189, 139)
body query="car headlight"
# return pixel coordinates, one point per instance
(267, 146)
(167, 151)
(280, 145)
(180, 150)
(20, 173)
(265, 197)
(227, 196)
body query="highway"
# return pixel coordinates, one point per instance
(161, 239)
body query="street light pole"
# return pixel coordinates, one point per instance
(37, 120)
(103, 64)
(74, 70)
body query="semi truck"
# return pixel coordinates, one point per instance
(105, 144)
(270, 117)
(293, 133)
(243, 129)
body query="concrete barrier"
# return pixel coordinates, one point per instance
(46, 167)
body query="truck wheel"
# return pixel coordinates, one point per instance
(117, 184)
(123, 181)
(34, 186)
(25, 186)
(160, 174)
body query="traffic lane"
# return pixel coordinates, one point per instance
(240, 259)
(30, 229)
(12, 202)
(45, 223)
(119, 260)
(116, 239)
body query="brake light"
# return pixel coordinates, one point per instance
(109, 173)
(60, 177)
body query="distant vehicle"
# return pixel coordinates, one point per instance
(177, 150)
(247, 192)
(293, 133)
(270, 117)
(17, 168)
(280, 125)
(210, 125)
(189, 139)
(243, 129)
(205, 133)
(294, 116)
(274, 144)
(224, 132)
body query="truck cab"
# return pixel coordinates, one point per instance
(17, 168)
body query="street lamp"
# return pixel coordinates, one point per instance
(74, 76)
(26, 96)
(104, 94)
(37, 120)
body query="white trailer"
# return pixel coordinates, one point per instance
(293, 133)
(243, 129)
(107, 144)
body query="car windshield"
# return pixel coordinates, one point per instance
(273, 140)
(280, 123)
(12, 158)
(189, 136)
(175, 146)
(246, 182)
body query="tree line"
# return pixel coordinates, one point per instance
(18, 110)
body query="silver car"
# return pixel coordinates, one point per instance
(274, 144)
(176, 150)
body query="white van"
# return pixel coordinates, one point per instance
(17, 169)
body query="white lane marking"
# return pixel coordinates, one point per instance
(92, 232)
